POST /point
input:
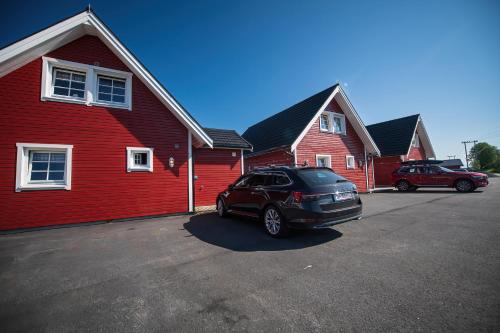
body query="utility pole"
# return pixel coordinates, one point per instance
(466, 154)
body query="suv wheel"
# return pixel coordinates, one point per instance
(403, 186)
(464, 185)
(221, 210)
(274, 222)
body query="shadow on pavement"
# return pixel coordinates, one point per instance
(240, 234)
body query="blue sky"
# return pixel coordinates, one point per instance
(234, 63)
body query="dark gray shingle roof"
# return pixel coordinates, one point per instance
(223, 138)
(394, 137)
(284, 127)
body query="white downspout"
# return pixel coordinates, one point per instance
(242, 163)
(373, 172)
(366, 173)
(190, 173)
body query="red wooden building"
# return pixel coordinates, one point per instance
(88, 134)
(322, 130)
(399, 140)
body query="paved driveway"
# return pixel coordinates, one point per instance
(426, 261)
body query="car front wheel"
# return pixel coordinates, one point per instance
(221, 209)
(403, 186)
(275, 223)
(464, 185)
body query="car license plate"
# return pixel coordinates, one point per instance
(343, 196)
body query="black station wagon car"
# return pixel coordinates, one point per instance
(292, 197)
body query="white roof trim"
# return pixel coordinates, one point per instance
(350, 114)
(424, 139)
(39, 44)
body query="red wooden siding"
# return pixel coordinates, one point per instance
(215, 169)
(416, 153)
(101, 187)
(277, 157)
(384, 166)
(337, 146)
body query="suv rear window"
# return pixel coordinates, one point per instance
(320, 176)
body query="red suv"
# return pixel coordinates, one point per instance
(414, 174)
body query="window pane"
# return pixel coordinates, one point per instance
(119, 91)
(58, 157)
(56, 175)
(57, 166)
(61, 83)
(61, 91)
(38, 175)
(105, 97)
(105, 89)
(337, 123)
(118, 99)
(39, 165)
(105, 82)
(78, 85)
(141, 158)
(77, 93)
(78, 77)
(40, 156)
(119, 84)
(63, 75)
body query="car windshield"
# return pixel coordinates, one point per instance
(320, 176)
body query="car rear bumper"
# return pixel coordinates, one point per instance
(303, 219)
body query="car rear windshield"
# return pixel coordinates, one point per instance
(320, 177)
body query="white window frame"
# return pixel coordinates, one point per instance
(131, 166)
(331, 117)
(329, 124)
(23, 167)
(342, 122)
(347, 164)
(91, 85)
(329, 157)
(415, 142)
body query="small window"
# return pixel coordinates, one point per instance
(350, 162)
(324, 161)
(111, 90)
(415, 142)
(339, 123)
(139, 159)
(69, 83)
(41, 167)
(324, 122)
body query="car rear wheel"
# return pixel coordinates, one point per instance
(403, 186)
(221, 209)
(464, 185)
(275, 223)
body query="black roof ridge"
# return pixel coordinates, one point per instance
(388, 121)
(220, 129)
(290, 107)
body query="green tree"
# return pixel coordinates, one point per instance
(484, 156)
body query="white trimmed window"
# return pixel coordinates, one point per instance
(139, 159)
(324, 122)
(66, 81)
(324, 161)
(43, 167)
(415, 142)
(350, 162)
(332, 122)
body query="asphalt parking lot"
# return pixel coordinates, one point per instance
(424, 261)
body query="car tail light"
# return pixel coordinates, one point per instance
(297, 196)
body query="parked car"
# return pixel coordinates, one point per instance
(414, 174)
(292, 197)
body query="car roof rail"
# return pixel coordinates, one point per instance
(421, 162)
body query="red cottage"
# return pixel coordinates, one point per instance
(399, 140)
(88, 134)
(322, 130)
